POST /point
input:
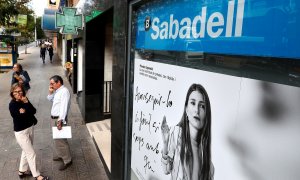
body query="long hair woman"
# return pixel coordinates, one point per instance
(186, 150)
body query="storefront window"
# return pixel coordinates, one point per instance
(215, 69)
(269, 51)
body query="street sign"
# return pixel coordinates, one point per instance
(22, 20)
(68, 21)
(94, 14)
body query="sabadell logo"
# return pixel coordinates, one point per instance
(197, 27)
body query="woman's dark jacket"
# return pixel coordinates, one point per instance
(25, 83)
(25, 120)
(50, 49)
(43, 50)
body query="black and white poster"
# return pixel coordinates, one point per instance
(194, 124)
(170, 101)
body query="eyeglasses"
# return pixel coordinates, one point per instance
(17, 92)
(52, 83)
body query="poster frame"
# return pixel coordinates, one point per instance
(128, 127)
(12, 53)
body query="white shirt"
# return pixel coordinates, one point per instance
(61, 103)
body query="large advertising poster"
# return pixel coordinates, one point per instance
(5, 48)
(6, 60)
(246, 129)
(166, 98)
(22, 20)
(266, 139)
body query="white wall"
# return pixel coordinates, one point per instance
(108, 52)
(80, 66)
(64, 49)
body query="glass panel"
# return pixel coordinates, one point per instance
(266, 48)
(248, 40)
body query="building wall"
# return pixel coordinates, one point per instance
(72, 3)
(109, 27)
(108, 53)
(63, 56)
(59, 46)
(80, 65)
(118, 122)
(104, 41)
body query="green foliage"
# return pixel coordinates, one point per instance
(9, 11)
(7, 39)
(40, 33)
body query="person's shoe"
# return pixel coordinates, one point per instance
(57, 159)
(64, 166)
(24, 174)
(41, 177)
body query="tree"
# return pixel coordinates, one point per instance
(7, 11)
(27, 31)
(40, 33)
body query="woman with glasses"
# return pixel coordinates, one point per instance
(22, 112)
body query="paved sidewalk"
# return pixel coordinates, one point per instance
(86, 162)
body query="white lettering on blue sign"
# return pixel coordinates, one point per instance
(213, 27)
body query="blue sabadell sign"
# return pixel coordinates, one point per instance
(241, 27)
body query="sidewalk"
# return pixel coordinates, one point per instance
(86, 162)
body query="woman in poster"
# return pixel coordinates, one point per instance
(186, 147)
(266, 140)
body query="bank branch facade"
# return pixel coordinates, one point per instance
(212, 90)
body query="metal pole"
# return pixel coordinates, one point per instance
(35, 30)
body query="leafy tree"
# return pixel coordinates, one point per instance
(40, 33)
(9, 11)
(27, 31)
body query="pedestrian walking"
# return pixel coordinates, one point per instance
(60, 97)
(22, 112)
(50, 49)
(20, 76)
(43, 52)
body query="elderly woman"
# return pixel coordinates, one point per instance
(22, 112)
